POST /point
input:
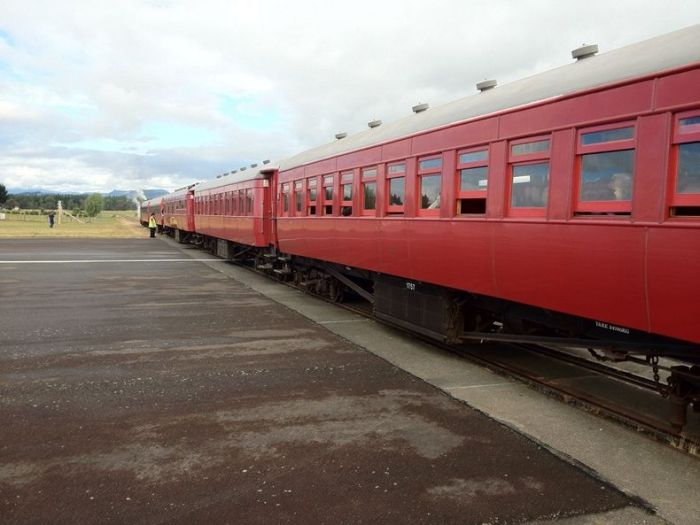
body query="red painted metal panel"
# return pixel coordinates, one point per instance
(679, 89)
(593, 270)
(396, 150)
(455, 253)
(363, 157)
(651, 161)
(293, 174)
(469, 134)
(237, 229)
(561, 174)
(673, 282)
(353, 241)
(321, 167)
(498, 166)
(614, 103)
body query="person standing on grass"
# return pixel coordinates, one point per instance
(152, 225)
(52, 215)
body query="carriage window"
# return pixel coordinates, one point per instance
(685, 200)
(369, 190)
(527, 148)
(688, 180)
(346, 193)
(610, 135)
(285, 198)
(429, 184)
(328, 195)
(530, 183)
(298, 196)
(428, 164)
(606, 176)
(473, 181)
(311, 195)
(605, 157)
(249, 201)
(396, 187)
(529, 177)
(474, 156)
(430, 192)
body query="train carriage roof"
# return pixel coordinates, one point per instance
(666, 52)
(259, 172)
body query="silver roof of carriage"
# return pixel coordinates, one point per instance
(661, 53)
(241, 175)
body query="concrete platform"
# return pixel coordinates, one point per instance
(149, 386)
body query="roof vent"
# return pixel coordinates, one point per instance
(486, 85)
(266, 161)
(584, 51)
(341, 135)
(234, 171)
(374, 123)
(244, 168)
(219, 176)
(419, 108)
(254, 165)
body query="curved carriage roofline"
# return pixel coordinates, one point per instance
(665, 52)
(261, 172)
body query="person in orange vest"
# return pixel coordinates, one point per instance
(152, 225)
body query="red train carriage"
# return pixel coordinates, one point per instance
(236, 208)
(178, 213)
(567, 204)
(149, 206)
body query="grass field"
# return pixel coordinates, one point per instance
(115, 224)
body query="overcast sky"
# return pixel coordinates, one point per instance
(98, 95)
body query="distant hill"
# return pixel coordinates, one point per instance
(149, 194)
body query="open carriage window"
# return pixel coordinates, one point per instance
(473, 178)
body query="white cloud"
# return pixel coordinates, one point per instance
(75, 75)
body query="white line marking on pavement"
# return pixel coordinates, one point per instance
(73, 261)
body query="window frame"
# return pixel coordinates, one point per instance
(285, 200)
(526, 159)
(249, 201)
(345, 175)
(679, 138)
(367, 177)
(327, 181)
(603, 206)
(471, 194)
(428, 172)
(395, 209)
(312, 184)
(298, 191)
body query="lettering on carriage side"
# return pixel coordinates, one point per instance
(411, 286)
(612, 327)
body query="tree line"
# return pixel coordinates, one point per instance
(45, 201)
